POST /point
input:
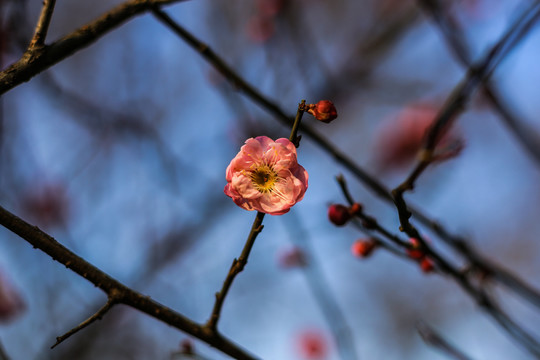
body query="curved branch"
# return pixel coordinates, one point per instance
(112, 287)
(38, 59)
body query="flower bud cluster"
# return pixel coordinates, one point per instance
(339, 214)
(417, 253)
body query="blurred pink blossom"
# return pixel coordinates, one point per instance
(47, 204)
(260, 28)
(270, 8)
(265, 176)
(11, 302)
(479, 9)
(292, 257)
(312, 345)
(400, 139)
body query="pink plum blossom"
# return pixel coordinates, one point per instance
(312, 345)
(47, 204)
(11, 302)
(400, 139)
(292, 257)
(265, 176)
(260, 28)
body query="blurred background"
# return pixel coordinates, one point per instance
(120, 151)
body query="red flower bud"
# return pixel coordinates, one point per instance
(324, 111)
(338, 214)
(415, 252)
(363, 248)
(426, 265)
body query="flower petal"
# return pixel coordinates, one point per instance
(243, 185)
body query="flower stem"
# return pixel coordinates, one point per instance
(236, 267)
(239, 264)
(294, 138)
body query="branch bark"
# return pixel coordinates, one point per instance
(40, 58)
(113, 288)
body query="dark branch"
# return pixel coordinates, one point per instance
(432, 338)
(123, 294)
(111, 301)
(529, 138)
(39, 59)
(236, 267)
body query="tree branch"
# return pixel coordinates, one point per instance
(111, 301)
(455, 104)
(36, 60)
(529, 138)
(236, 267)
(123, 294)
(432, 338)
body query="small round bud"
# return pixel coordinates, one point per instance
(324, 111)
(426, 265)
(338, 214)
(363, 248)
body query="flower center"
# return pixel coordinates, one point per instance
(264, 178)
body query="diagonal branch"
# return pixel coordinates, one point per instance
(112, 287)
(431, 337)
(111, 301)
(38, 59)
(528, 138)
(236, 267)
(475, 77)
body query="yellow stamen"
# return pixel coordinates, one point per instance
(264, 178)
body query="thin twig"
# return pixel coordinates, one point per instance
(3, 354)
(42, 25)
(98, 315)
(124, 295)
(456, 102)
(476, 75)
(34, 62)
(239, 264)
(236, 267)
(513, 329)
(529, 138)
(434, 339)
(487, 303)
